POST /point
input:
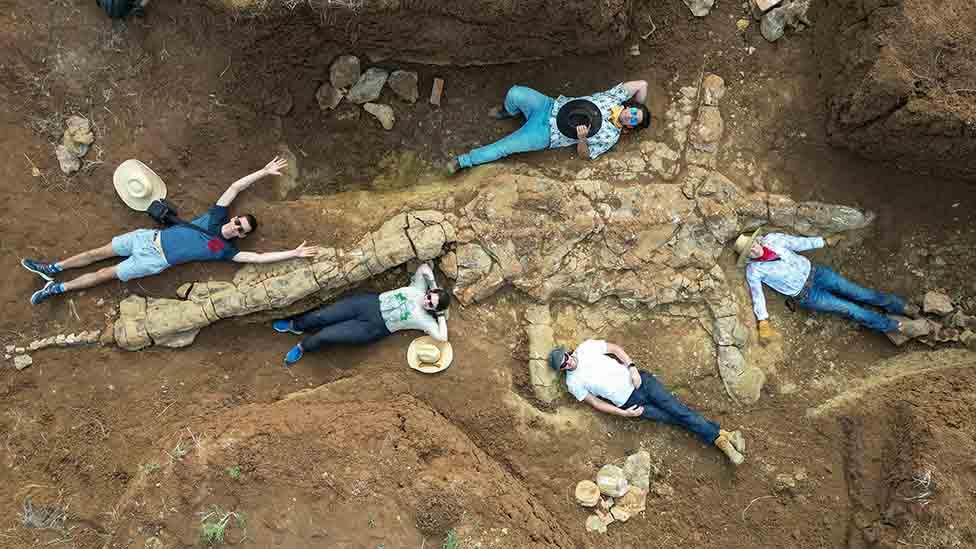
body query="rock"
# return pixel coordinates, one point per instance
(661, 159)
(662, 490)
(404, 84)
(968, 338)
(34, 345)
(69, 162)
(630, 504)
(742, 24)
(344, 72)
(699, 8)
(759, 7)
(595, 524)
(587, 493)
(774, 24)
(785, 483)
(713, 90)
(22, 361)
(937, 303)
(800, 475)
(328, 97)
(78, 136)
(369, 86)
(708, 129)
(637, 469)
(449, 265)
(348, 113)
(10, 349)
(72, 339)
(605, 503)
(612, 481)
(153, 543)
(383, 113)
(288, 180)
(60, 340)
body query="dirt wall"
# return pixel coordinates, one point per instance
(900, 78)
(468, 32)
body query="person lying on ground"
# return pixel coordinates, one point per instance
(614, 385)
(609, 113)
(151, 251)
(773, 260)
(365, 318)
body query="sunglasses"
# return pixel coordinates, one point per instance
(237, 223)
(566, 358)
(633, 116)
(429, 300)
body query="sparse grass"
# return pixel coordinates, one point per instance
(150, 468)
(213, 526)
(450, 540)
(234, 472)
(181, 449)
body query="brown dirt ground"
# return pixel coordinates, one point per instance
(194, 93)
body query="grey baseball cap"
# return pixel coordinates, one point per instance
(556, 357)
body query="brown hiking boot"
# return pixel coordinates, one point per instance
(735, 437)
(725, 445)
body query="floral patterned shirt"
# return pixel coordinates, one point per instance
(608, 135)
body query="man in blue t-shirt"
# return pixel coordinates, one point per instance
(151, 251)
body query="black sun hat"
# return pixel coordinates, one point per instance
(578, 112)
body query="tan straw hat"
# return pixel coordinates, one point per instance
(743, 244)
(137, 185)
(429, 356)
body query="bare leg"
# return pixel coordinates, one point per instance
(85, 259)
(100, 276)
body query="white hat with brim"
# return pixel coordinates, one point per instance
(138, 185)
(744, 243)
(429, 356)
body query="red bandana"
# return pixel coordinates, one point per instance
(767, 255)
(215, 245)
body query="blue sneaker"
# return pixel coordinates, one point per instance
(294, 355)
(47, 271)
(285, 327)
(49, 289)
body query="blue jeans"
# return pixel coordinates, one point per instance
(354, 320)
(532, 136)
(660, 405)
(829, 292)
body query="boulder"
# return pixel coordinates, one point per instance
(22, 361)
(637, 469)
(587, 493)
(630, 504)
(699, 8)
(404, 84)
(344, 72)
(596, 524)
(383, 113)
(713, 89)
(369, 86)
(612, 481)
(937, 303)
(773, 24)
(69, 162)
(328, 96)
(78, 136)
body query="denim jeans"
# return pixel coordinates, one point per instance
(532, 136)
(354, 320)
(829, 292)
(660, 405)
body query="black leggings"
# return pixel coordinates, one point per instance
(354, 320)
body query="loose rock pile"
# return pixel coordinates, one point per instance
(22, 360)
(947, 323)
(346, 81)
(618, 493)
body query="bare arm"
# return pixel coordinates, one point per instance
(426, 274)
(608, 408)
(441, 333)
(272, 168)
(582, 148)
(637, 89)
(273, 257)
(617, 351)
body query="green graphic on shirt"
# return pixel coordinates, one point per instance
(398, 302)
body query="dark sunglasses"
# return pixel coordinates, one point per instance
(566, 358)
(429, 300)
(237, 223)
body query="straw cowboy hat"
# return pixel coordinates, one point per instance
(137, 185)
(744, 243)
(429, 356)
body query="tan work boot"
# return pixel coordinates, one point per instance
(725, 445)
(735, 437)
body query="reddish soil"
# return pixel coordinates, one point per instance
(377, 455)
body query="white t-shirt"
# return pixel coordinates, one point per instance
(598, 374)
